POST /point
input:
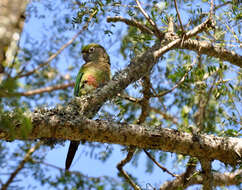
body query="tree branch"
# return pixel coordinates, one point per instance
(201, 47)
(204, 47)
(37, 91)
(157, 163)
(123, 163)
(179, 17)
(131, 22)
(219, 179)
(207, 174)
(178, 83)
(152, 23)
(63, 124)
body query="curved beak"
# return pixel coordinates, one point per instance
(85, 56)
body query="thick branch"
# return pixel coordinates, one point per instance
(60, 125)
(204, 47)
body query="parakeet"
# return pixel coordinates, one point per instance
(93, 74)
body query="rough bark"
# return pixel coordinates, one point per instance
(203, 47)
(60, 124)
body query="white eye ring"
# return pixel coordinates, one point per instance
(91, 49)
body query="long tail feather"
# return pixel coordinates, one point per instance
(71, 153)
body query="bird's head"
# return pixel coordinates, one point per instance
(95, 52)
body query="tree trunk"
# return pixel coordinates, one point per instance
(11, 25)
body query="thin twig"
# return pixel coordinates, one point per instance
(59, 51)
(166, 116)
(205, 14)
(177, 84)
(207, 174)
(58, 168)
(145, 14)
(190, 170)
(131, 22)
(211, 12)
(123, 163)
(160, 166)
(170, 27)
(47, 89)
(179, 17)
(21, 165)
(156, 110)
(37, 91)
(153, 24)
(144, 102)
(129, 98)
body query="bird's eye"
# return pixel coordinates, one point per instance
(91, 49)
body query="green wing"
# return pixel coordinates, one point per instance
(77, 84)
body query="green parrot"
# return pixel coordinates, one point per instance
(93, 74)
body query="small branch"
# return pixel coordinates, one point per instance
(144, 102)
(160, 166)
(129, 98)
(21, 165)
(170, 28)
(201, 47)
(131, 22)
(59, 51)
(211, 12)
(179, 17)
(58, 168)
(47, 89)
(181, 181)
(145, 14)
(123, 163)
(204, 47)
(219, 179)
(165, 115)
(190, 170)
(37, 91)
(175, 42)
(207, 174)
(177, 84)
(153, 24)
